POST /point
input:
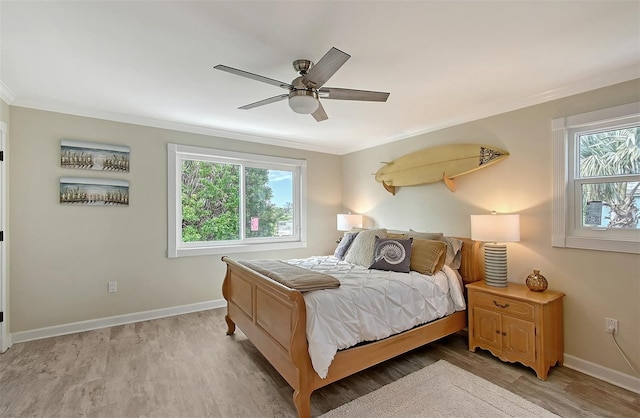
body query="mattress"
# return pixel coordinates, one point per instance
(371, 305)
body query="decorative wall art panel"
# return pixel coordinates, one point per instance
(93, 156)
(94, 192)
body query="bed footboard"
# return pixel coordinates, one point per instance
(274, 318)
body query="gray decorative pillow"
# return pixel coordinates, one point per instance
(344, 245)
(392, 254)
(361, 250)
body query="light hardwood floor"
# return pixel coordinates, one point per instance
(185, 366)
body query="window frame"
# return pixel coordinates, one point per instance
(176, 153)
(567, 229)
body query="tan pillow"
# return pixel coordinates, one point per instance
(425, 235)
(395, 235)
(428, 256)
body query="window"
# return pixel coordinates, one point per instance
(226, 202)
(596, 201)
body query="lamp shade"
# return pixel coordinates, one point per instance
(346, 221)
(303, 101)
(495, 228)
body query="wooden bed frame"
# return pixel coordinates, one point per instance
(274, 319)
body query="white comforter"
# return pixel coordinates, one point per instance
(371, 304)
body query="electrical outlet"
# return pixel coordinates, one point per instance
(611, 326)
(113, 287)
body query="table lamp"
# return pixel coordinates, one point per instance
(346, 221)
(495, 230)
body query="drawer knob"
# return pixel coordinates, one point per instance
(506, 305)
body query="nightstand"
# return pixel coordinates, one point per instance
(517, 324)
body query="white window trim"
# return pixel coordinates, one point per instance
(563, 235)
(175, 247)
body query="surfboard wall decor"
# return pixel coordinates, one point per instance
(444, 162)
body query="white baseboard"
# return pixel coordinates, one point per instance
(5, 343)
(603, 373)
(56, 330)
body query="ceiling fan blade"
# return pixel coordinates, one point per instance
(325, 68)
(254, 76)
(319, 115)
(350, 94)
(264, 102)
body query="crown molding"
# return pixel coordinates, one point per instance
(174, 126)
(631, 72)
(6, 94)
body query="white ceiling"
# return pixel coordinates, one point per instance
(444, 62)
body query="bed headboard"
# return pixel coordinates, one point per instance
(472, 264)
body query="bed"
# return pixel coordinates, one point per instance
(274, 318)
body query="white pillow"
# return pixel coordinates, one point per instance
(361, 250)
(454, 255)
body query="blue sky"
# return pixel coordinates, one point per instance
(280, 183)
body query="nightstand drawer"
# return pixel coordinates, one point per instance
(511, 307)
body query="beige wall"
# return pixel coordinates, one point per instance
(64, 256)
(597, 284)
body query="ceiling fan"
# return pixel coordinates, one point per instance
(306, 90)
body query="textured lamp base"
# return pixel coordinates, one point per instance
(495, 265)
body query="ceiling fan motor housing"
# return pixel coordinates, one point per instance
(302, 66)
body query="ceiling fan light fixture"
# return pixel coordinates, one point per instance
(303, 101)
(304, 91)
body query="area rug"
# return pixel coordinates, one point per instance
(439, 390)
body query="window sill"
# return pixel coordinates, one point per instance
(231, 249)
(598, 244)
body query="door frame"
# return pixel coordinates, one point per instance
(5, 337)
